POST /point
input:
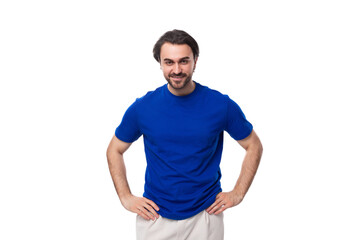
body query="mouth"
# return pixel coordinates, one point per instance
(177, 78)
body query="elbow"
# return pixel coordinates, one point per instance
(256, 149)
(110, 152)
(260, 148)
(113, 153)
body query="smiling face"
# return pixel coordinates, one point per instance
(178, 64)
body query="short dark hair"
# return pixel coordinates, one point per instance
(176, 37)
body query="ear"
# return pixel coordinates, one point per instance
(195, 61)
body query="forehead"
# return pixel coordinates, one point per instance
(175, 51)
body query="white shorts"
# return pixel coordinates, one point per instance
(202, 226)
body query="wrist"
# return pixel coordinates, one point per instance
(238, 194)
(123, 197)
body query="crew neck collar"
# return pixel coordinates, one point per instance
(184, 96)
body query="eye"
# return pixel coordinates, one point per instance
(184, 61)
(169, 63)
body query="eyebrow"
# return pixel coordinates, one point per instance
(184, 58)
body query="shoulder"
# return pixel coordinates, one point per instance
(150, 96)
(214, 95)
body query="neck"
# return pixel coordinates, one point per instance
(189, 88)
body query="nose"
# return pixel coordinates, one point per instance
(177, 68)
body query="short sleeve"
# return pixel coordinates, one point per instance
(128, 130)
(236, 123)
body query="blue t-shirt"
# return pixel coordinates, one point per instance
(183, 139)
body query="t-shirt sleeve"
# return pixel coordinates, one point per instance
(128, 130)
(236, 123)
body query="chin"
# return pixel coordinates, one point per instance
(182, 84)
(178, 85)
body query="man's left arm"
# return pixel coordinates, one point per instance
(225, 200)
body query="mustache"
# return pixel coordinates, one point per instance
(178, 75)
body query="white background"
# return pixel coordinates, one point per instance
(69, 70)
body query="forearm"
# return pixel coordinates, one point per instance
(118, 174)
(248, 170)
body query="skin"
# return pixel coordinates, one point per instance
(178, 64)
(139, 205)
(225, 200)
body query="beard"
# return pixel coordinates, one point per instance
(183, 84)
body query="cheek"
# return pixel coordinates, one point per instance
(166, 72)
(163, 68)
(190, 68)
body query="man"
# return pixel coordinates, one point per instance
(182, 124)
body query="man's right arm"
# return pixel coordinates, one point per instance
(140, 205)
